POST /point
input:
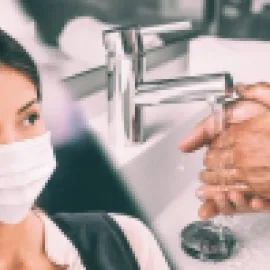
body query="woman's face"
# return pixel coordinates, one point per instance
(19, 108)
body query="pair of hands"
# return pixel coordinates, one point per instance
(244, 152)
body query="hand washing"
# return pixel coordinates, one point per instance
(239, 159)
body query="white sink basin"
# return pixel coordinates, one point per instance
(209, 55)
(252, 230)
(151, 170)
(152, 173)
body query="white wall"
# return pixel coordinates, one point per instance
(257, 5)
(190, 8)
(194, 8)
(13, 20)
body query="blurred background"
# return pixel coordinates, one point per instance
(65, 39)
(249, 18)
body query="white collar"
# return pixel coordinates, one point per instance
(58, 247)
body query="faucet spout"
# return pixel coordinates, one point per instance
(208, 88)
(183, 90)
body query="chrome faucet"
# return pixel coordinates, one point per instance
(128, 93)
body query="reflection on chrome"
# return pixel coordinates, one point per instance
(128, 93)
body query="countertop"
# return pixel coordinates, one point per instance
(252, 231)
(247, 61)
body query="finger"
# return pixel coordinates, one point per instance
(207, 210)
(237, 203)
(199, 137)
(205, 132)
(235, 113)
(256, 179)
(262, 190)
(240, 87)
(243, 203)
(259, 92)
(239, 200)
(225, 140)
(207, 192)
(209, 177)
(228, 176)
(239, 195)
(260, 205)
(223, 204)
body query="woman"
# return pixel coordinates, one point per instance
(29, 239)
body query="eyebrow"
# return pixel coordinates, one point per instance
(27, 105)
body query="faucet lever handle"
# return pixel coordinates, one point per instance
(129, 39)
(166, 28)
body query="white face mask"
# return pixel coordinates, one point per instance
(25, 168)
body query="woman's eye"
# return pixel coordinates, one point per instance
(31, 119)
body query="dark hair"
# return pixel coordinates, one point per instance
(13, 55)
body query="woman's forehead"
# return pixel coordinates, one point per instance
(14, 82)
(15, 89)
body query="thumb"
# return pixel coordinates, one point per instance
(207, 130)
(254, 100)
(203, 133)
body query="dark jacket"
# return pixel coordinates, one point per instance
(99, 240)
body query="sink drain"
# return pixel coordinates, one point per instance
(204, 241)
